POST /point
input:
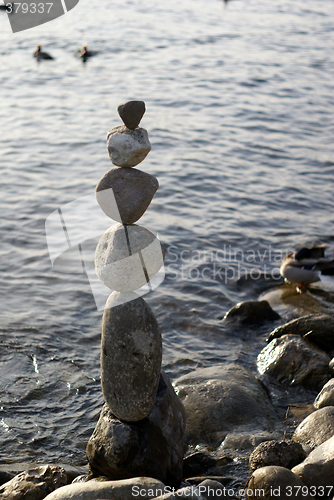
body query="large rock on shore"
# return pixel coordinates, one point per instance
(141, 487)
(151, 447)
(318, 468)
(317, 328)
(325, 396)
(316, 428)
(276, 482)
(250, 312)
(127, 147)
(222, 399)
(124, 194)
(294, 361)
(128, 257)
(131, 352)
(34, 483)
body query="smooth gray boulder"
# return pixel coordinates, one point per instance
(153, 447)
(214, 490)
(283, 453)
(276, 482)
(34, 483)
(317, 328)
(221, 399)
(127, 147)
(318, 468)
(125, 194)
(325, 396)
(141, 487)
(316, 428)
(250, 312)
(127, 257)
(293, 360)
(131, 113)
(131, 353)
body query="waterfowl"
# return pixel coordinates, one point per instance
(305, 266)
(85, 53)
(41, 55)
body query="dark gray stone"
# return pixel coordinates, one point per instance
(201, 463)
(283, 453)
(316, 428)
(318, 468)
(131, 113)
(250, 312)
(325, 396)
(152, 447)
(318, 329)
(131, 351)
(34, 483)
(125, 194)
(273, 481)
(294, 361)
(222, 399)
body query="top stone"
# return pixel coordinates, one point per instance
(131, 113)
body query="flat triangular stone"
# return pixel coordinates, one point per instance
(125, 194)
(131, 113)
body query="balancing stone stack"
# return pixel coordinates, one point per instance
(141, 428)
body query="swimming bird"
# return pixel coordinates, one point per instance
(305, 266)
(41, 55)
(85, 53)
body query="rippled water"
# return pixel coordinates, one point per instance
(239, 100)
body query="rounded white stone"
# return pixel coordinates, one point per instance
(127, 147)
(127, 257)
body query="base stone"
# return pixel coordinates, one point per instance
(151, 447)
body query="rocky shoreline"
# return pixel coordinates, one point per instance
(231, 417)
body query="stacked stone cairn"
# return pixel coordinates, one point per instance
(141, 429)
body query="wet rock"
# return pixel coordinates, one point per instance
(294, 361)
(318, 329)
(152, 447)
(250, 312)
(117, 490)
(316, 428)
(214, 490)
(127, 147)
(283, 453)
(34, 483)
(201, 463)
(326, 395)
(222, 399)
(131, 113)
(245, 440)
(318, 468)
(131, 353)
(125, 194)
(276, 482)
(127, 257)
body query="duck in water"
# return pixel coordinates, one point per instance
(41, 55)
(85, 53)
(305, 266)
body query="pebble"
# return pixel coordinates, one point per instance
(125, 194)
(131, 113)
(283, 453)
(117, 490)
(250, 312)
(325, 396)
(273, 481)
(316, 428)
(127, 257)
(131, 352)
(127, 147)
(317, 470)
(152, 447)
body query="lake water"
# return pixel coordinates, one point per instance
(239, 100)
